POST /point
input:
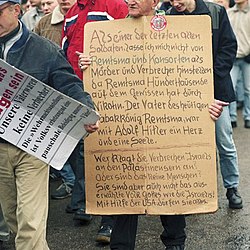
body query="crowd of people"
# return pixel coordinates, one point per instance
(47, 25)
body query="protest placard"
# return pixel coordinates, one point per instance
(39, 119)
(152, 81)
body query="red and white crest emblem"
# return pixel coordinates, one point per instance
(158, 23)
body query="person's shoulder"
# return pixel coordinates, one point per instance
(232, 9)
(117, 8)
(215, 6)
(116, 2)
(29, 13)
(43, 23)
(46, 18)
(115, 5)
(215, 9)
(43, 43)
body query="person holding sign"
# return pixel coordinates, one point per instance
(224, 54)
(124, 231)
(224, 49)
(23, 177)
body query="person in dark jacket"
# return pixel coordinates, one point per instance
(165, 5)
(124, 232)
(224, 54)
(24, 178)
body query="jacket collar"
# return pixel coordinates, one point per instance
(245, 10)
(22, 40)
(57, 16)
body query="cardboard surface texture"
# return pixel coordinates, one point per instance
(152, 82)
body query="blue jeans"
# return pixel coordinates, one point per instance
(239, 88)
(227, 150)
(241, 67)
(67, 175)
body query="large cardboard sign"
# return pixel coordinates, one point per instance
(39, 119)
(152, 82)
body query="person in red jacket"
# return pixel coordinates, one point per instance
(82, 12)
